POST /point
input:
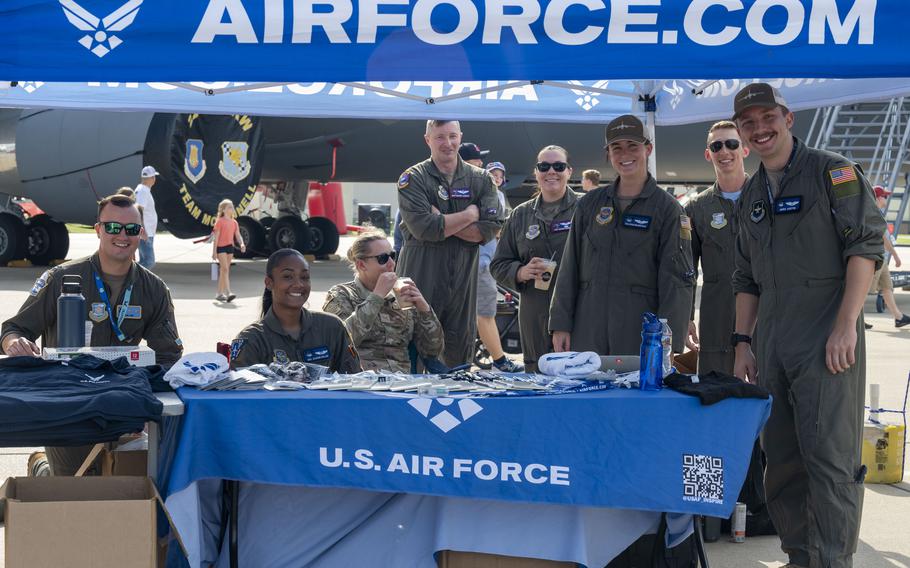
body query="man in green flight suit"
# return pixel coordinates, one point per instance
(809, 241)
(448, 207)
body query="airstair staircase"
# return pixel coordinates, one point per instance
(876, 135)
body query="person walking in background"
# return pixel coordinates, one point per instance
(224, 236)
(881, 281)
(146, 203)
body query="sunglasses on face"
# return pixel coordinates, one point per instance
(544, 167)
(731, 144)
(384, 257)
(114, 228)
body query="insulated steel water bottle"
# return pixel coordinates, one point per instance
(71, 313)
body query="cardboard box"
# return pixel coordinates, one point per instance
(81, 522)
(118, 463)
(138, 355)
(453, 559)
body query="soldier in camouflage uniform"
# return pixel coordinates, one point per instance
(380, 328)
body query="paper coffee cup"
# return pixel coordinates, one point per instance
(543, 283)
(396, 289)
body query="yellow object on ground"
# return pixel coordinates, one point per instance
(883, 448)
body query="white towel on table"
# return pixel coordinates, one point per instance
(569, 363)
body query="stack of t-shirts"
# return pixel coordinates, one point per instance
(714, 387)
(82, 401)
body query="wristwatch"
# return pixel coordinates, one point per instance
(738, 338)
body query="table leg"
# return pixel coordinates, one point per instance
(154, 440)
(700, 543)
(235, 513)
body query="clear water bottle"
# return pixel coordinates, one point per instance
(71, 313)
(650, 369)
(666, 341)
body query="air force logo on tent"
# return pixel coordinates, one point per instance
(100, 40)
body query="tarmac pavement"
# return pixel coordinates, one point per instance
(202, 322)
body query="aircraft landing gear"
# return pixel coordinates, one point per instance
(254, 237)
(13, 238)
(323, 236)
(290, 232)
(48, 240)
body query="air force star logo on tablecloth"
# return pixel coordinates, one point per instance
(444, 413)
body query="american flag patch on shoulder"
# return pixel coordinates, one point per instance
(842, 175)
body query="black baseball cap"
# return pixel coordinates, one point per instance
(471, 151)
(626, 127)
(757, 94)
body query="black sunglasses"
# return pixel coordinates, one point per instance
(544, 167)
(731, 144)
(384, 257)
(114, 228)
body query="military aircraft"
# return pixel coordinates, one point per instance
(66, 160)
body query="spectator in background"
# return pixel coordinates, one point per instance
(225, 235)
(590, 179)
(146, 202)
(379, 326)
(487, 293)
(881, 282)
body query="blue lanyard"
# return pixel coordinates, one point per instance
(117, 321)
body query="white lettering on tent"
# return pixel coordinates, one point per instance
(525, 91)
(520, 24)
(755, 22)
(306, 88)
(127, 85)
(554, 27)
(402, 87)
(306, 18)
(621, 18)
(824, 13)
(371, 18)
(338, 89)
(213, 24)
(459, 87)
(693, 23)
(423, 28)
(436, 87)
(274, 22)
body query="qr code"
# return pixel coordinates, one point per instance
(703, 478)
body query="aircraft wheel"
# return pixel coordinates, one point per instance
(12, 238)
(324, 237)
(253, 235)
(290, 232)
(48, 240)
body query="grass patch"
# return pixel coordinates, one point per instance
(73, 228)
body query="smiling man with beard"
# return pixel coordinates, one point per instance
(810, 239)
(110, 281)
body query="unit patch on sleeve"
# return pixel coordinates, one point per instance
(844, 182)
(236, 346)
(404, 180)
(40, 283)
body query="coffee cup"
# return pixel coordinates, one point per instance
(396, 289)
(543, 281)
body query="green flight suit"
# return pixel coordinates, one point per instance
(381, 330)
(792, 253)
(525, 235)
(149, 315)
(714, 227)
(445, 268)
(616, 266)
(323, 340)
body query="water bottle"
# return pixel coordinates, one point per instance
(666, 340)
(651, 354)
(71, 313)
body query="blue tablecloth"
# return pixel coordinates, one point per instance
(622, 449)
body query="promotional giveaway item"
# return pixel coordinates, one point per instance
(71, 313)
